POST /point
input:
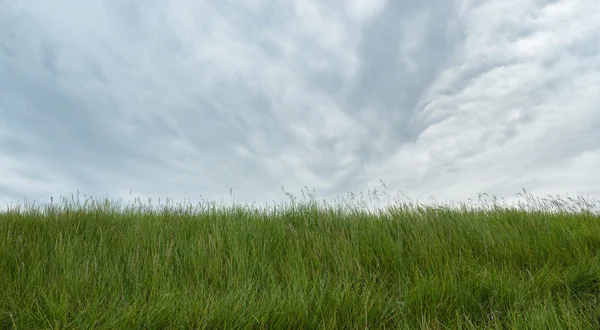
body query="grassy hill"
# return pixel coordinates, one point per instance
(303, 266)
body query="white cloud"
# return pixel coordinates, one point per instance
(513, 105)
(181, 99)
(365, 9)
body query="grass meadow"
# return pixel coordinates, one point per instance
(99, 264)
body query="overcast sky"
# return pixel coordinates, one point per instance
(188, 98)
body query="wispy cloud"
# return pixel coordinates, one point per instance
(188, 98)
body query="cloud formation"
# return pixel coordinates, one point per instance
(185, 99)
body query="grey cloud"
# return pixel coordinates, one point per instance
(186, 98)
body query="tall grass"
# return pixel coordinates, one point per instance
(305, 265)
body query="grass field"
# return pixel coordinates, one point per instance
(306, 265)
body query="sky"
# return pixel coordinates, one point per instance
(248, 99)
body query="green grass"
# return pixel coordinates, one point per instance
(302, 266)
